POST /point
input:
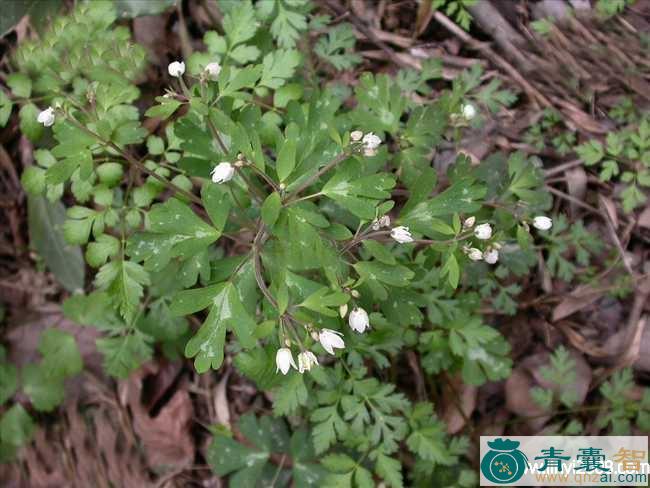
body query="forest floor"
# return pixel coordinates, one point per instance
(159, 416)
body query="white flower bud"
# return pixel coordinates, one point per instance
(331, 339)
(401, 234)
(343, 310)
(222, 172)
(46, 117)
(359, 320)
(356, 135)
(483, 231)
(284, 360)
(491, 256)
(469, 111)
(469, 222)
(176, 69)
(212, 71)
(355, 293)
(306, 360)
(474, 254)
(542, 222)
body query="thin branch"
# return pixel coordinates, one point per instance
(312, 179)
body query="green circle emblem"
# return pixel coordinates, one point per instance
(503, 463)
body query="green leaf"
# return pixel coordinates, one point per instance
(239, 24)
(166, 107)
(5, 108)
(45, 222)
(338, 47)
(124, 354)
(20, 84)
(33, 180)
(44, 390)
(379, 252)
(61, 357)
(286, 160)
(278, 67)
(391, 275)
(29, 126)
(225, 456)
(16, 427)
(217, 203)
(291, 394)
(244, 78)
(462, 197)
(226, 311)
(124, 281)
(38, 11)
(8, 381)
(591, 152)
(390, 470)
(104, 247)
(271, 209)
(155, 145)
(323, 299)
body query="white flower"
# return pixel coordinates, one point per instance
(223, 172)
(469, 111)
(359, 320)
(483, 231)
(370, 144)
(306, 360)
(46, 117)
(401, 234)
(469, 222)
(356, 135)
(491, 256)
(330, 339)
(284, 360)
(212, 71)
(474, 254)
(176, 69)
(542, 222)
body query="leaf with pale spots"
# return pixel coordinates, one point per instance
(226, 312)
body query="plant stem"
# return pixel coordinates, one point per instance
(306, 184)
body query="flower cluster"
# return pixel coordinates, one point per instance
(370, 142)
(483, 232)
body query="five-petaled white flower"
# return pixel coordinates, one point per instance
(284, 360)
(483, 231)
(356, 135)
(306, 360)
(491, 256)
(46, 117)
(223, 172)
(212, 71)
(542, 222)
(401, 234)
(370, 144)
(469, 111)
(474, 254)
(176, 69)
(359, 320)
(330, 339)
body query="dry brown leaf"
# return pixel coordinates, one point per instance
(609, 206)
(166, 438)
(580, 298)
(221, 401)
(576, 180)
(644, 218)
(451, 414)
